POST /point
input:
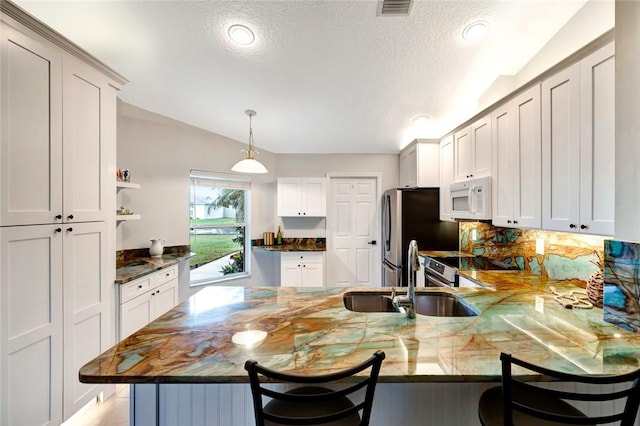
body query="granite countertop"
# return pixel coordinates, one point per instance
(309, 331)
(443, 253)
(138, 267)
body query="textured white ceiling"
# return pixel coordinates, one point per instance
(325, 76)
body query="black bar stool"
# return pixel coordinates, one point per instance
(314, 405)
(526, 403)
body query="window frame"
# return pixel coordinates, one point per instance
(224, 181)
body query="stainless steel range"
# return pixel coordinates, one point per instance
(443, 271)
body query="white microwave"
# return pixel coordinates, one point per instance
(471, 199)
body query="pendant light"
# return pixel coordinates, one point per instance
(250, 164)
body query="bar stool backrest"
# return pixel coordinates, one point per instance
(630, 394)
(354, 383)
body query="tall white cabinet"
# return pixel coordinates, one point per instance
(516, 189)
(578, 141)
(57, 220)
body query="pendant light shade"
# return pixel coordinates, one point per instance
(250, 164)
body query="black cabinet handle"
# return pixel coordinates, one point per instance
(69, 229)
(515, 221)
(58, 216)
(70, 217)
(583, 227)
(508, 221)
(58, 229)
(140, 286)
(572, 226)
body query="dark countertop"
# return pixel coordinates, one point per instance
(138, 267)
(309, 331)
(293, 244)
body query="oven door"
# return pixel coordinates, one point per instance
(433, 280)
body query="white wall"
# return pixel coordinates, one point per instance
(595, 18)
(627, 121)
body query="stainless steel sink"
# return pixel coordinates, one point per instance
(437, 304)
(369, 302)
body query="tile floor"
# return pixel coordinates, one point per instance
(112, 412)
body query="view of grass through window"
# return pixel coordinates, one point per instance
(217, 227)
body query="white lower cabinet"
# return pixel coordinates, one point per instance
(145, 299)
(55, 317)
(302, 269)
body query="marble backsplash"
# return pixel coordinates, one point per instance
(566, 255)
(622, 284)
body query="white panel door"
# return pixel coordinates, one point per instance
(561, 150)
(480, 164)
(527, 209)
(503, 174)
(135, 314)
(597, 142)
(353, 227)
(462, 154)
(87, 307)
(446, 176)
(289, 197)
(31, 325)
(85, 145)
(165, 297)
(31, 117)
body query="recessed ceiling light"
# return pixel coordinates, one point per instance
(475, 30)
(420, 120)
(241, 34)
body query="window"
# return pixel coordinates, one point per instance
(218, 226)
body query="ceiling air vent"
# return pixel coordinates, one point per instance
(394, 7)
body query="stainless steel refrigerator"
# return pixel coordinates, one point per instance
(412, 214)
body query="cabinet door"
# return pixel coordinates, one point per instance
(503, 165)
(290, 275)
(31, 325)
(480, 164)
(85, 143)
(597, 142)
(462, 154)
(314, 197)
(289, 197)
(135, 314)
(527, 196)
(560, 150)
(409, 167)
(165, 297)
(31, 117)
(87, 307)
(446, 176)
(312, 274)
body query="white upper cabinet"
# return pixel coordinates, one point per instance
(419, 164)
(516, 161)
(302, 197)
(66, 181)
(472, 150)
(84, 144)
(31, 108)
(578, 140)
(446, 176)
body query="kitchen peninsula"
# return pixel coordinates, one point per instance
(193, 356)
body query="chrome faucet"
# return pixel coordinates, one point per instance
(407, 303)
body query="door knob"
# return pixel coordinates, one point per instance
(372, 242)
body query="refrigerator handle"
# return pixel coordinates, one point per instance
(387, 223)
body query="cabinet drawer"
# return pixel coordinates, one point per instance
(302, 256)
(134, 288)
(165, 275)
